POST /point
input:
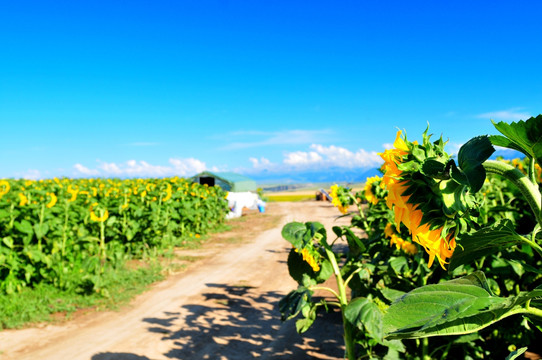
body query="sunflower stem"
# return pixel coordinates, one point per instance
(527, 188)
(360, 210)
(532, 170)
(349, 342)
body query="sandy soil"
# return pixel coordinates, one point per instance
(224, 306)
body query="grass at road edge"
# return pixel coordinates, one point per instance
(45, 303)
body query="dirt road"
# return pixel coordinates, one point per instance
(224, 306)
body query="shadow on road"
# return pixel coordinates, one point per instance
(118, 356)
(238, 322)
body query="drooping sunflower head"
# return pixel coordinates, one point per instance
(4, 187)
(310, 257)
(52, 201)
(423, 195)
(370, 189)
(341, 198)
(102, 215)
(23, 199)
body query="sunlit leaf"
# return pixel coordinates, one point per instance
(524, 136)
(455, 307)
(484, 242)
(365, 314)
(470, 158)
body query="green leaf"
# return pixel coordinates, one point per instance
(470, 159)
(484, 242)
(398, 264)
(111, 221)
(363, 313)
(392, 294)
(24, 226)
(3, 214)
(455, 307)
(525, 136)
(309, 315)
(299, 234)
(326, 270)
(499, 140)
(41, 231)
(293, 233)
(455, 197)
(355, 244)
(514, 354)
(434, 168)
(292, 304)
(8, 241)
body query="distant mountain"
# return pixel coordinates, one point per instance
(316, 176)
(340, 175)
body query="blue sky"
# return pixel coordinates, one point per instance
(141, 88)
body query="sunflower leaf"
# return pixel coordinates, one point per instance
(470, 159)
(484, 242)
(524, 136)
(456, 307)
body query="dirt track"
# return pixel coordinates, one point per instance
(223, 307)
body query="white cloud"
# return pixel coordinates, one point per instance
(453, 148)
(333, 156)
(84, 170)
(301, 158)
(261, 163)
(319, 157)
(134, 168)
(190, 166)
(514, 114)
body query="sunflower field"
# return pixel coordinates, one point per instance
(65, 232)
(443, 257)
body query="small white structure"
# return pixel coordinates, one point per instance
(239, 200)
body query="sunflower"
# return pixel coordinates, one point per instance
(94, 217)
(309, 259)
(4, 187)
(340, 198)
(399, 243)
(409, 191)
(368, 190)
(23, 198)
(53, 200)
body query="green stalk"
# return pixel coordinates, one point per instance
(527, 188)
(103, 253)
(343, 300)
(65, 228)
(325, 289)
(532, 170)
(533, 311)
(11, 217)
(532, 244)
(42, 212)
(425, 349)
(361, 213)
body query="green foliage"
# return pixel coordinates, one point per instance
(484, 242)
(470, 159)
(524, 136)
(492, 243)
(488, 303)
(65, 232)
(454, 307)
(366, 316)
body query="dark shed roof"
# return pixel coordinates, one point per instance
(227, 180)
